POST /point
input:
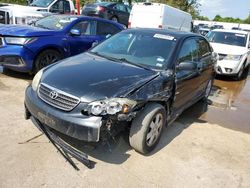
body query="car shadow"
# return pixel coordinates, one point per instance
(113, 152)
(187, 118)
(116, 151)
(15, 74)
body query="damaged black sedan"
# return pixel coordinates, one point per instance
(140, 79)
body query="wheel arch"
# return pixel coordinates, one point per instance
(50, 47)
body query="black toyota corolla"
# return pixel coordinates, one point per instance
(140, 79)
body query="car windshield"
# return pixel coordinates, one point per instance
(236, 39)
(41, 3)
(56, 22)
(151, 50)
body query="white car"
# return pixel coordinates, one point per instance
(233, 49)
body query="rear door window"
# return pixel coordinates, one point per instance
(120, 7)
(61, 6)
(85, 27)
(105, 28)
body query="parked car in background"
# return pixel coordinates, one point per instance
(204, 30)
(30, 48)
(139, 79)
(117, 12)
(19, 14)
(155, 15)
(217, 27)
(233, 48)
(236, 28)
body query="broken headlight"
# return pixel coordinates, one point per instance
(111, 106)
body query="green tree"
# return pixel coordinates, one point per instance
(217, 18)
(204, 18)
(247, 21)
(21, 2)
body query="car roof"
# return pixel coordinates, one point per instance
(104, 3)
(88, 18)
(231, 31)
(175, 33)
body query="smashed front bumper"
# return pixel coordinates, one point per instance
(73, 123)
(63, 147)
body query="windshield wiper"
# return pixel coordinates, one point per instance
(101, 55)
(132, 63)
(122, 60)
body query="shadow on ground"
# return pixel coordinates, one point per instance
(116, 151)
(14, 74)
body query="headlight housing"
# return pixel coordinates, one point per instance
(18, 40)
(37, 79)
(233, 57)
(111, 106)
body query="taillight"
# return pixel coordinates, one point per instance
(100, 9)
(129, 24)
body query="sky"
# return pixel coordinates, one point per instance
(225, 8)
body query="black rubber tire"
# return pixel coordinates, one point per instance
(141, 126)
(240, 73)
(208, 87)
(50, 55)
(116, 19)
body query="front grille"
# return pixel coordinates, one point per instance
(57, 98)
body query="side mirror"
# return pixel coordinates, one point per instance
(75, 32)
(214, 55)
(95, 44)
(107, 36)
(187, 66)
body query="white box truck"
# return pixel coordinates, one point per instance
(156, 15)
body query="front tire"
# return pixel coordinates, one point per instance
(46, 58)
(147, 127)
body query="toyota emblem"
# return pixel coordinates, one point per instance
(53, 94)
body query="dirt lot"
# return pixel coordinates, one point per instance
(208, 146)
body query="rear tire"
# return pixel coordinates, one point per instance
(114, 19)
(147, 127)
(46, 58)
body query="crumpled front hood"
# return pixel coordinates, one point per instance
(24, 31)
(94, 78)
(229, 49)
